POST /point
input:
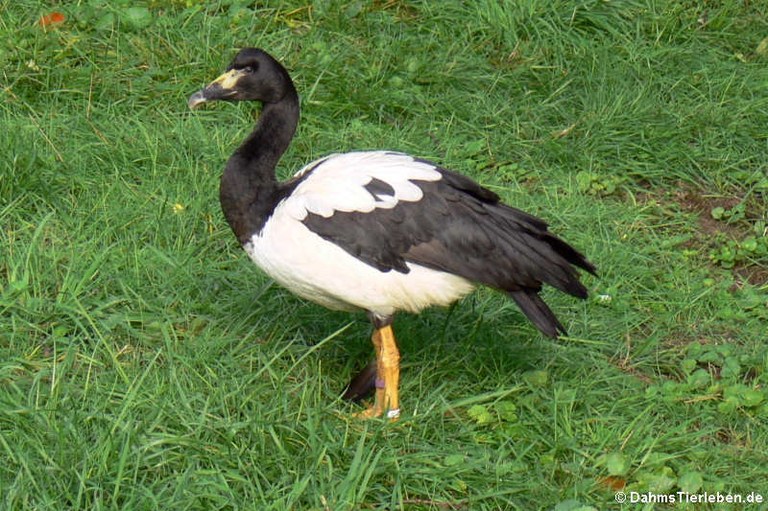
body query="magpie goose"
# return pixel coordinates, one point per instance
(377, 231)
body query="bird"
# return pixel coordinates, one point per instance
(377, 231)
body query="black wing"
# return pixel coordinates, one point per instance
(462, 228)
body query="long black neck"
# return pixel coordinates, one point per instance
(249, 189)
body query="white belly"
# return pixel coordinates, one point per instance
(322, 272)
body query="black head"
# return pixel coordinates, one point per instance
(253, 75)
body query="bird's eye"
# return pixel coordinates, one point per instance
(249, 69)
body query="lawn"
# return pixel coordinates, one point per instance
(146, 364)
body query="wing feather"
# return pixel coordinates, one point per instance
(338, 183)
(391, 210)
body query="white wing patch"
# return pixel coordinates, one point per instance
(337, 183)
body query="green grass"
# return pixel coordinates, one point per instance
(145, 364)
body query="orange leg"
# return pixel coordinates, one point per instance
(387, 377)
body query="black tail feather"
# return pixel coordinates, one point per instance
(570, 254)
(538, 312)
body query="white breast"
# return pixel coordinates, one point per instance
(320, 271)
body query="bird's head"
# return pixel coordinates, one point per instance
(253, 75)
